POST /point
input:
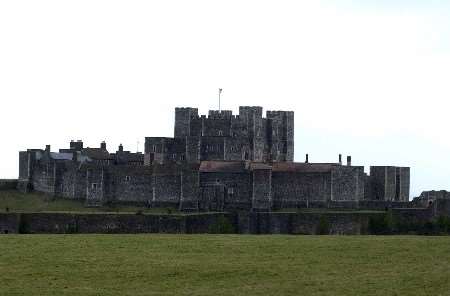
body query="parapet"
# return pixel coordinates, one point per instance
(192, 112)
(222, 114)
(279, 113)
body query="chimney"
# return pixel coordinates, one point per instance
(47, 148)
(121, 148)
(340, 159)
(307, 158)
(349, 160)
(103, 145)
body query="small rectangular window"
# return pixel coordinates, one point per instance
(127, 178)
(94, 186)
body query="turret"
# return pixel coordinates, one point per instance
(183, 118)
(281, 134)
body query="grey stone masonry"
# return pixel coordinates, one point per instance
(217, 162)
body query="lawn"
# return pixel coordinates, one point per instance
(223, 265)
(16, 201)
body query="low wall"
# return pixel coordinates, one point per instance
(8, 184)
(9, 223)
(361, 205)
(245, 222)
(122, 223)
(305, 223)
(345, 222)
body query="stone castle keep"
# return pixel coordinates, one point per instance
(219, 162)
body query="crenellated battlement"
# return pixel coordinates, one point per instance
(222, 114)
(244, 136)
(278, 113)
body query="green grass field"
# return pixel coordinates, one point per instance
(223, 265)
(16, 201)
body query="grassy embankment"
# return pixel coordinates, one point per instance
(16, 201)
(223, 265)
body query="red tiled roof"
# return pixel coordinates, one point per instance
(260, 166)
(222, 166)
(301, 167)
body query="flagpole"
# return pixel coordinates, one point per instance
(220, 91)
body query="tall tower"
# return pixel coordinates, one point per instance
(183, 118)
(252, 115)
(280, 134)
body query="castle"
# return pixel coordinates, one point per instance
(219, 162)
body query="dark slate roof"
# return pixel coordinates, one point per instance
(96, 153)
(222, 166)
(61, 156)
(128, 156)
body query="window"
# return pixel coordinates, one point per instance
(127, 178)
(245, 155)
(230, 191)
(94, 186)
(220, 133)
(154, 148)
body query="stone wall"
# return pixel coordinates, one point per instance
(441, 207)
(347, 183)
(116, 223)
(9, 223)
(337, 222)
(262, 189)
(8, 184)
(290, 189)
(237, 189)
(389, 183)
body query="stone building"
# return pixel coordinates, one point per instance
(216, 162)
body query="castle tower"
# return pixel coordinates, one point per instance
(183, 117)
(280, 135)
(252, 116)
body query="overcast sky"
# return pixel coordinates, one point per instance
(369, 79)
